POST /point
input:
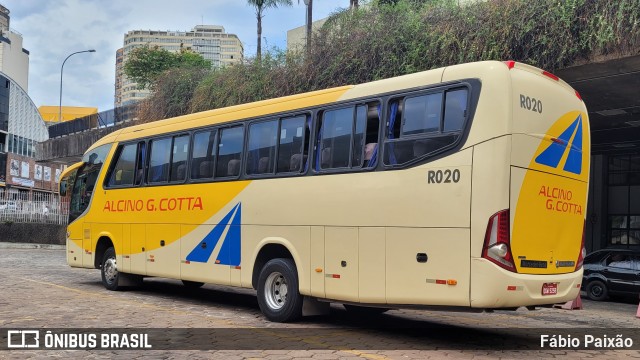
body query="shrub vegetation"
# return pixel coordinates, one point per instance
(395, 37)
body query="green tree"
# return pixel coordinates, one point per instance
(145, 64)
(261, 6)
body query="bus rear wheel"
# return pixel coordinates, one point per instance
(278, 292)
(109, 270)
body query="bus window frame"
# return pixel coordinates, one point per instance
(245, 155)
(143, 181)
(243, 125)
(308, 114)
(279, 118)
(307, 117)
(381, 100)
(473, 87)
(313, 115)
(216, 132)
(187, 164)
(113, 162)
(147, 166)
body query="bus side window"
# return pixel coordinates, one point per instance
(123, 172)
(159, 159)
(262, 147)
(455, 109)
(371, 114)
(203, 154)
(348, 137)
(229, 151)
(293, 132)
(179, 155)
(140, 163)
(335, 138)
(419, 127)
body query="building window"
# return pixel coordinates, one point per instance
(623, 225)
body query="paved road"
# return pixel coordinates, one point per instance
(38, 290)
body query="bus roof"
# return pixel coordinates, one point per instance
(231, 113)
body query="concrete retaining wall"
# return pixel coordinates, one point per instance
(32, 233)
(69, 149)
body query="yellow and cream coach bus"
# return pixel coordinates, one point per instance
(463, 187)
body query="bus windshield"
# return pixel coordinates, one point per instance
(85, 180)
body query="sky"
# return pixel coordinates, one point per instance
(53, 29)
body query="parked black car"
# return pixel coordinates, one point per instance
(611, 272)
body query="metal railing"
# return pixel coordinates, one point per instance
(44, 209)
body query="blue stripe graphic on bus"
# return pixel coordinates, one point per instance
(230, 252)
(202, 254)
(574, 161)
(551, 155)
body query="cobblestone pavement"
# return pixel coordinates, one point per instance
(38, 290)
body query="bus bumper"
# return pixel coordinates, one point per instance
(493, 287)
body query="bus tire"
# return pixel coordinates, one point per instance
(109, 270)
(278, 292)
(192, 284)
(597, 290)
(364, 310)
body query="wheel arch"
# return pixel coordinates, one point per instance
(595, 276)
(103, 243)
(272, 248)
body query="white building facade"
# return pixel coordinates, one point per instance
(210, 41)
(14, 59)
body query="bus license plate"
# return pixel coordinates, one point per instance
(549, 289)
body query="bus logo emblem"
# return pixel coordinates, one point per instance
(552, 155)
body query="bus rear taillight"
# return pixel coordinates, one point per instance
(583, 251)
(497, 241)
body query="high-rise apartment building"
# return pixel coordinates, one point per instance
(210, 41)
(14, 59)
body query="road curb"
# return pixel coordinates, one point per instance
(8, 245)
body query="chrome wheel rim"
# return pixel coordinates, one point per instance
(276, 290)
(110, 270)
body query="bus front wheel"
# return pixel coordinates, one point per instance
(109, 270)
(278, 294)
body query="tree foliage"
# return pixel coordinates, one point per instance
(385, 40)
(145, 64)
(172, 94)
